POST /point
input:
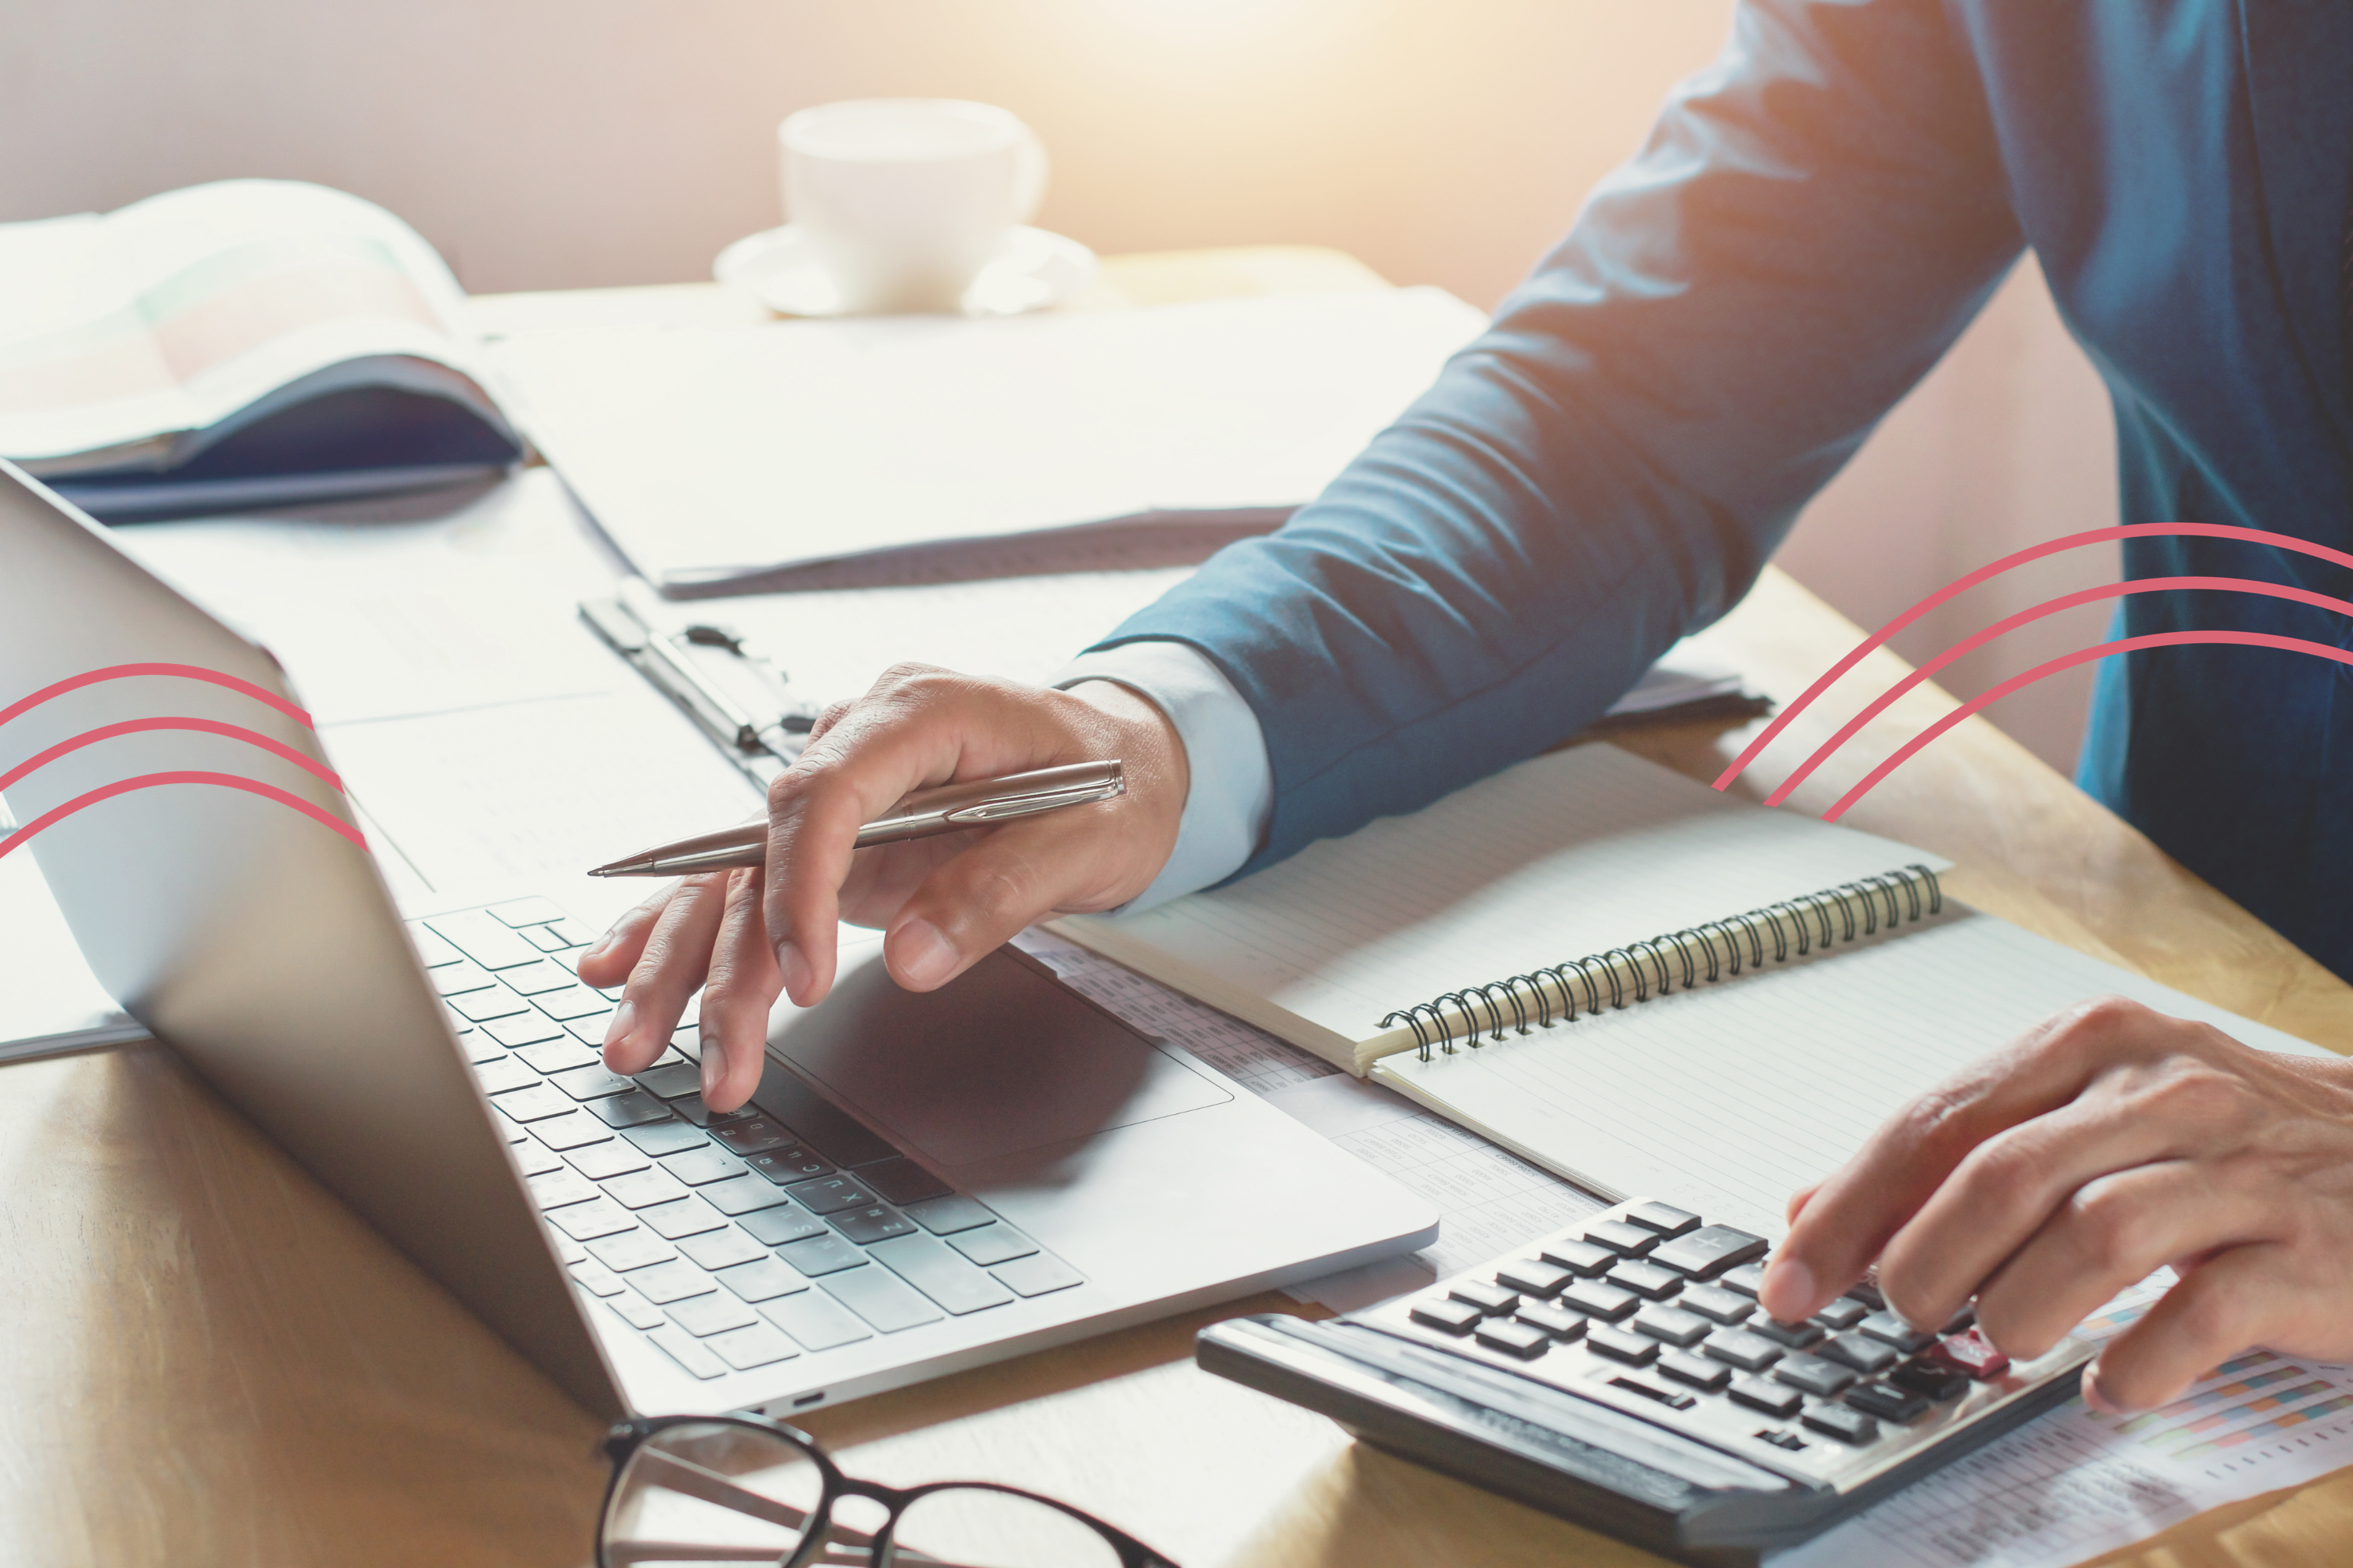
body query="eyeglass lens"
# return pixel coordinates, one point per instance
(979, 1527)
(704, 1492)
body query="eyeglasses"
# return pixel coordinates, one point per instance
(740, 1489)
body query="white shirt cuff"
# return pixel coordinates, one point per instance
(1232, 789)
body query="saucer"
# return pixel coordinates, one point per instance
(1033, 270)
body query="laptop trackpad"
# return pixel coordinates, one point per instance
(1001, 1060)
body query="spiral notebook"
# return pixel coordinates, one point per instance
(1628, 978)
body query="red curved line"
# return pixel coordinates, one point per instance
(140, 726)
(149, 781)
(2123, 644)
(2018, 558)
(186, 671)
(2064, 602)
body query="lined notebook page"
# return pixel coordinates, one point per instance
(1560, 857)
(1728, 1098)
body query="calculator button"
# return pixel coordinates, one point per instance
(1630, 1240)
(1672, 1324)
(1697, 1370)
(1895, 1332)
(1846, 1425)
(1861, 1353)
(1780, 1439)
(1960, 1321)
(1582, 1258)
(1796, 1336)
(1664, 1218)
(1533, 1276)
(1812, 1374)
(1668, 1397)
(1748, 1278)
(1647, 1281)
(1886, 1403)
(1618, 1345)
(1866, 1291)
(1969, 1353)
(1724, 1306)
(1449, 1317)
(1492, 1299)
(1599, 1298)
(1758, 1395)
(1738, 1347)
(1709, 1251)
(1521, 1340)
(1930, 1380)
(1560, 1325)
(1843, 1313)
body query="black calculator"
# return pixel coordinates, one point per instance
(1622, 1374)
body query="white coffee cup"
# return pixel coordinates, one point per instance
(904, 200)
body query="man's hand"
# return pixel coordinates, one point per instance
(2104, 1143)
(744, 936)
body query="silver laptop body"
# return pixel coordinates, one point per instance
(196, 837)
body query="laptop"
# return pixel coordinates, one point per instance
(920, 1184)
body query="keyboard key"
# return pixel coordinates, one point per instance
(1895, 1330)
(830, 1195)
(456, 979)
(1847, 1425)
(1038, 1275)
(1748, 1280)
(1758, 1395)
(557, 1055)
(1723, 1306)
(1672, 1325)
(712, 1314)
(821, 1255)
(1697, 1370)
(752, 1134)
(611, 1158)
(1930, 1380)
(1796, 1336)
(534, 1158)
(1738, 1347)
(481, 1006)
(947, 1215)
(1513, 1339)
(638, 1314)
(663, 1283)
(867, 1227)
(1599, 1298)
(592, 1082)
(702, 1164)
(432, 950)
(527, 1029)
(1647, 1281)
(816, 1320)
(718, 1249)
(538, 979)
(571, 1003)
(1709, 1251)
(1618, 1345)
(1843, 1313)
(1560, 1325)
(545, 938)
(572, 933)
(1664, 1218)
(483, 940)
(1861, 1353)
(1812, 1374)
(1660, 1394)
(883, 1299)
(526, 912)
(476, 1046)
(1447, 1315)
(992, 1245)
(502, 1074)
(1973, 1353)
(1627, 1240)
(687, 1217)
(1533, 1276)
(561, 1186)
(574, 1129)
(591, 1030)
(940, 1274)
(631, 1110)
(1582, 1258)
(788, 1164)
(762, 1281)
(757, 1346)
(902, 1182)
(785, 1223)
(1886, 1403)
(687, 1352)
(536, 1103)
(635, 1249)
(1492, 1299)
(660, 1138)
(692, 1107)
(586, 1222)
(596, 1279)
(672, 1081)
(743, 1194)
(643, 1189)
(822, 1127)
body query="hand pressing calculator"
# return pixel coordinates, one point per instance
(1622, 1374)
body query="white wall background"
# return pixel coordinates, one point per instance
(600, 142)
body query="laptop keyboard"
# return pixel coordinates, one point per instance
(732, 1241)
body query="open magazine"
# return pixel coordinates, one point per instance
(249, 342)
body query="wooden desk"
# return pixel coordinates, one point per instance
(206, 1360)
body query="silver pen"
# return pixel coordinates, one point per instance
(947, 809)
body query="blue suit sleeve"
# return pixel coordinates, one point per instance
(1811, 221)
